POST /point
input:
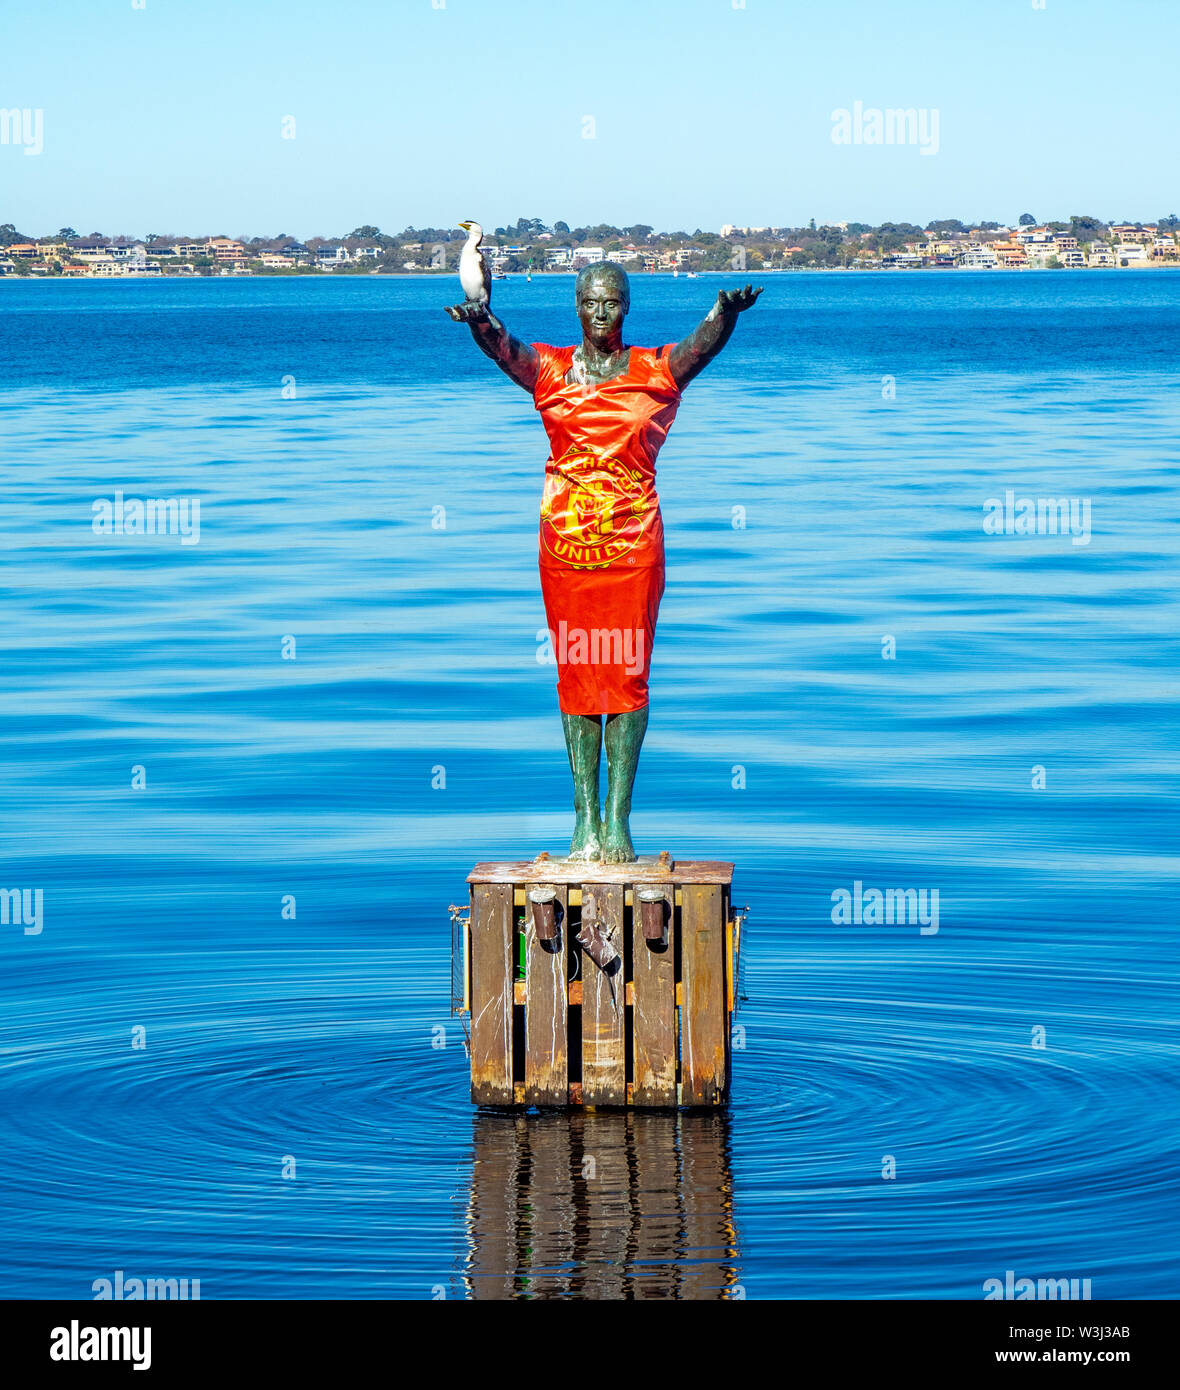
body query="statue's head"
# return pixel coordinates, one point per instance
(603, 295)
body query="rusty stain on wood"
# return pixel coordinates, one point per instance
(604, 1080)
(654, 1017)
(546, 1035)
(702, 1016)
(575, 991)
(492, 941)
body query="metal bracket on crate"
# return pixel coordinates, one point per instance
(738, 926)
(461, 969)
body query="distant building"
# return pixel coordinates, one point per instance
(1128, 234)
(1010, 253)
(221, 248)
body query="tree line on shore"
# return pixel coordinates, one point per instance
(525, 244)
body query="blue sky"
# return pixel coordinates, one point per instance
(169, 118)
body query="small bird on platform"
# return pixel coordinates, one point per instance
(474, 274)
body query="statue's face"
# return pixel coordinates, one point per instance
(602, 307)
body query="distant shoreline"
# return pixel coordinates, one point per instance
(940, 272)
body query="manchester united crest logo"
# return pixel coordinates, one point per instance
(593, 509)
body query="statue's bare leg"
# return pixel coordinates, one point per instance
(624, 739)
(583, 743)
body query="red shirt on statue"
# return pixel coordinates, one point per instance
(601, 535)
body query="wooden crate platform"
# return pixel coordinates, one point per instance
(549, 1027)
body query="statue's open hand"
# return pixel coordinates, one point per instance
(735, 301)
(470, 311)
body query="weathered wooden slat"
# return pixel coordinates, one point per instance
(546, 1042)
(492, 971)
(604, 1061)
(654, 1015)
(702, 1014)
(574, 872)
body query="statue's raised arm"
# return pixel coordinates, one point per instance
(695, 352)
(518, 360)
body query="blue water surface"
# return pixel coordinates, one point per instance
(853, 681)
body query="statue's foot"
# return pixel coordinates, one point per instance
(616, 846)
(587, 838)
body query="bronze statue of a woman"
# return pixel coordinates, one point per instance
(607, 408)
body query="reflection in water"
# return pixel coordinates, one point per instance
(611, 1205)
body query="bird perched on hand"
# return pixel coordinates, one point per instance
(474, 274)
